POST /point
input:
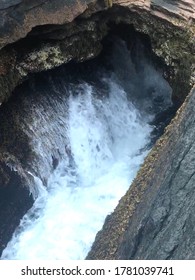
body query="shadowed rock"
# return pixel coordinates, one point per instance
(15, 198)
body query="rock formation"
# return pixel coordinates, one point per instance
(19, 17)
(57, 33)
(155, 219)
(37, 35)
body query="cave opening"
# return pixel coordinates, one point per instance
(81, 131)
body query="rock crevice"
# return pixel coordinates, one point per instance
(37, 35)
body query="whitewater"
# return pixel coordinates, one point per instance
(107, 138)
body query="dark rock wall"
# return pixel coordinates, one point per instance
(15, 199)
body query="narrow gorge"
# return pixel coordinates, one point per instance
(97, 129)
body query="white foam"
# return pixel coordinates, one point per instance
(103, 155)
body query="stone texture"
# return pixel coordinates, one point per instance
(165, 9)
(155, 219)
(17, 18)
(60, 31)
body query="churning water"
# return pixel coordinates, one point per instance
(101, 132)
